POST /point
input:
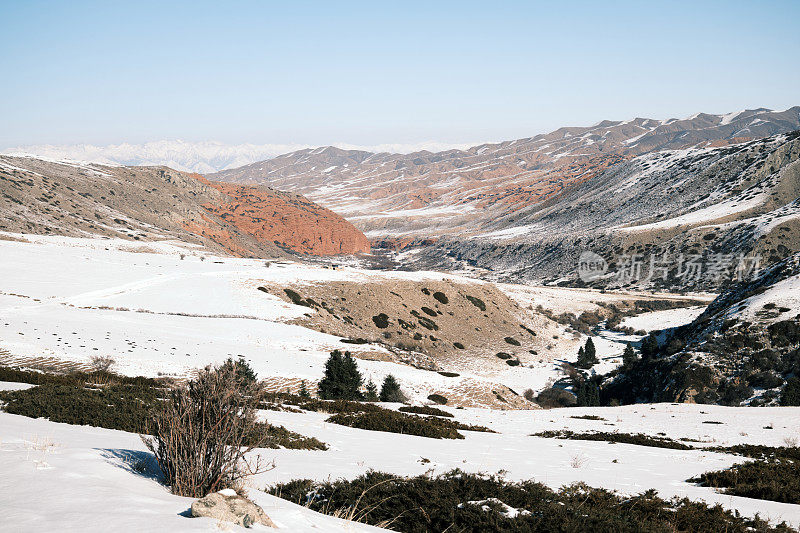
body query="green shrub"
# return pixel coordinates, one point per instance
(440, 503)
(245, 375)
(503, 355)
(397, 422)
(394, 422)
(437, 398)
(441, 297)
(280, 437)
(638, 439)
(776, 480)
(296, 299)
(77, 378)
(477, 302)
(381, 320)
(512, 341)
(425, 410)
(791, 392)
(122, 407)
(424, 321)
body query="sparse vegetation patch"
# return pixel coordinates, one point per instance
(460, 501)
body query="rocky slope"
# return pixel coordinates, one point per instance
(156, 203)
(661, 209)
(462, 192)
(743, 349)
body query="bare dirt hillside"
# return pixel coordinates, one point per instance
(156, 203)
(432, 324)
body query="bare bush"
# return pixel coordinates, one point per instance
(529, 395)
(102, 363)
(204, 431)
(578, 461)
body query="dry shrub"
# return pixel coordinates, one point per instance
(204, 431)
(102, 363)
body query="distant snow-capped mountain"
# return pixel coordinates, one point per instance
(202, 157)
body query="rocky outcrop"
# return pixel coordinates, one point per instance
(742, 350)
(227, 506)
(288, 220)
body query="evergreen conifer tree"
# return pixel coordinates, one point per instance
(342, 379)
(372, 392)
(390, 390)
(628, 356)
(649, 346)
(587, 355)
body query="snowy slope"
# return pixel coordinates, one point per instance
(51, 468)
(66, 300)
(58, 477)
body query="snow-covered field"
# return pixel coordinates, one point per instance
(56, 476)
(69, 299)
(156, 313)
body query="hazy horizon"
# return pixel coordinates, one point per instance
(365, 74)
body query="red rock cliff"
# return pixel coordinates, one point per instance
(288, 220)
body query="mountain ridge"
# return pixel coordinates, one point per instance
(428, 194)
(158, 203)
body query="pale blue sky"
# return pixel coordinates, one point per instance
(380, 72)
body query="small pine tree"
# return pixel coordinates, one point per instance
(649, 346)
(342, 380)
(591, 353)
(390, 390)
(588, 394)
(304, 391)
(372, 392)
(628, 356)
(587, 355)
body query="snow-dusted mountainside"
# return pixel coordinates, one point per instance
(670, 206)
(154, 203)
(428, 194)
(160, 309)
(742, 350)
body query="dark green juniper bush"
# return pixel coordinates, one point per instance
(460, 501)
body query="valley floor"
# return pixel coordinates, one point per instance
(164, 309)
